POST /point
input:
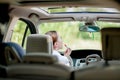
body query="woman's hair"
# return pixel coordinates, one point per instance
(53, 34)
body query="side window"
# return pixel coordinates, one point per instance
(20, 33)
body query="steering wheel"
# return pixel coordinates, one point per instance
(92, 58)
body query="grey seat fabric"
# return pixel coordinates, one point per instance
(39, 43)
(109, 68)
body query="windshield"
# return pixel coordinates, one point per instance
(75, 39)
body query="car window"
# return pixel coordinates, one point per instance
(20, 32)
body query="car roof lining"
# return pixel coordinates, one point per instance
(95, 3)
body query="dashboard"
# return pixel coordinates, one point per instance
(84, 57)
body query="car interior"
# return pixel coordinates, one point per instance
(90, 28)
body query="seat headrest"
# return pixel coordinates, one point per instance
(40, 58)
(37, 43)
(111, 43)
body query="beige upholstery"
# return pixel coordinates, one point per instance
(39, 67)
(37, 43)
(40, 58)
(111, 43)
(39, 72)
(39, 63)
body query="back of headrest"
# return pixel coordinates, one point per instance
(37, 43)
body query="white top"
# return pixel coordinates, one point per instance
(61, 59)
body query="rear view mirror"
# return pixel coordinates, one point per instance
(89, 27)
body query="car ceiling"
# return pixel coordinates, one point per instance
(64, 3)
(99, 3)
(96, 3)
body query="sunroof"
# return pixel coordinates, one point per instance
(77, 9)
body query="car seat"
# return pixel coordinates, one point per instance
(38, 62)
(39, 43)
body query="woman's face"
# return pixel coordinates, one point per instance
(59, 42)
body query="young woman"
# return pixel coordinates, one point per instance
(58, 44)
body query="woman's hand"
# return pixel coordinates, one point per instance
(68, 51)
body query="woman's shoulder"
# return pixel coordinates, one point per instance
(55, 52)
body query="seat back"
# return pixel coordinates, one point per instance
(111, 43)
(40, 67)
(10, 53)
(37, 43)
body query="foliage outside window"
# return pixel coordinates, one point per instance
(71, 35)
(18, 33)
